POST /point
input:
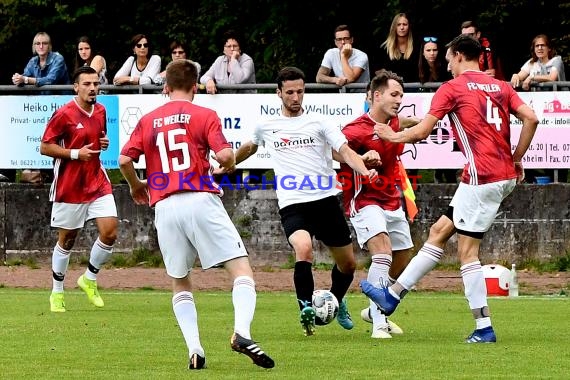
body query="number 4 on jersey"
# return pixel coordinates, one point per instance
(493, 114)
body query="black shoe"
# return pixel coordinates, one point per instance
(197, 362)
(251, 349)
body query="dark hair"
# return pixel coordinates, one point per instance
(466, 45)
(380, 81)
(425, 72)
(175, 44)
(82, 70)
(469, 24)
(181, 74)
(232, 34)
(342, 28)
(289, 73)
(78, 60)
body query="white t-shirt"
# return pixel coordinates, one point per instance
(331, 61)
(539, 68)
(300, 149)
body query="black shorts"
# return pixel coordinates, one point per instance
(322, 219)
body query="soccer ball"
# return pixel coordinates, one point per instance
(325, 305)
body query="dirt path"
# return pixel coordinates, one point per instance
(266, 280)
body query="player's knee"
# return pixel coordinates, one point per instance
(108, 237)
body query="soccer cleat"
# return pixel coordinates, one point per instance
(251, 349)
(57, 303)
(393, 328)
(307, 319)
(90, 288)
(197, 362)
(484, 335)
(381, 332)
(380, 296)
(343, 316)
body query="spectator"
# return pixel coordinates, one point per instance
(46, 67)
(488, 61)
(141, 67)
(433, 68)
(348, 65)
(86, 55)
(178, 50)
(398, 53)
(233, 67)
(543, 66)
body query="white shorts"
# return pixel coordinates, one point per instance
(371, 220)
(72, 216)
(191, 224)
(475, 206)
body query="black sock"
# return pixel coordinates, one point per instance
(340, 283)
(304, 283)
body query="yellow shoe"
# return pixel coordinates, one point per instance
(57, 303)
(90, 288)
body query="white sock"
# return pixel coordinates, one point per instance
(187, 318)
(59, 263)
(475, 290)
(426, 259)
(378, 276)
(100, 254)
(244, 299)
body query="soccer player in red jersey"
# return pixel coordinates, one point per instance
(81, 191)
(375, 209)
(176, 139)
(479, 108)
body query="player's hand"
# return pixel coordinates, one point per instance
(139, 192)
(384, 131)
(220, 170)
(86, 153)
(104, 141)
(371, 159)
(372, 176)
(520, 172)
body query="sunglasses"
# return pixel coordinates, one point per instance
(430, 39)
(141, 45)
(178, 52)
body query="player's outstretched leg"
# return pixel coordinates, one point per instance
(90, 289)
(380, 296)
(251, 349)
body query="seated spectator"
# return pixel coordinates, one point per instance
(86, 55)
(488, 61)
(233, 67)
(398, 53)
(45, 68)
(141, 67)
(543, 66)
(177, 51)
(345, 63)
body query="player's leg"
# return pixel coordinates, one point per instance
(297, 230)
(331, 228)
(104, 211)
(68, 219)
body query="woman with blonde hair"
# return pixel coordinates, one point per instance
(398, 53)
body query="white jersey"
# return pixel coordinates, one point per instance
(300, 148)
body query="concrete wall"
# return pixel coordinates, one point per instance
(533, 224)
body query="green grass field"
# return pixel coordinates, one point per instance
(136, 337)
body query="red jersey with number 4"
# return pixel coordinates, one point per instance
(479, 109)
(71, 127)
(176, 139)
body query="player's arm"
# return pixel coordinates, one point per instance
(245, 151)
(355, 161)
(530, 123)
(408, 121)
(226, 159)
(410, 135)
(56, 151)
(139, 189)
(370, 158)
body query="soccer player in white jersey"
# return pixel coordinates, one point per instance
(190, 218)
(479, 108)
(301, 148)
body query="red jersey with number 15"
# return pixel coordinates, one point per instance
(176, 139)
(479, 108)
(71, 127)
